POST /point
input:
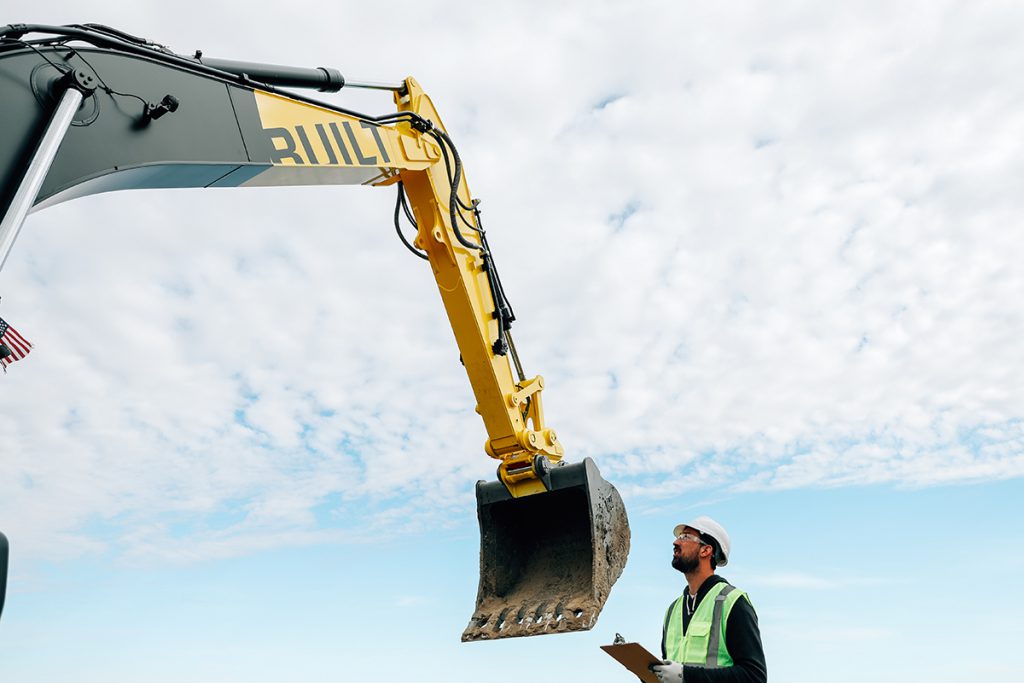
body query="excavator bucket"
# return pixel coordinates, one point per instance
(548, 561)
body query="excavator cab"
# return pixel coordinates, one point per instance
(548, 560)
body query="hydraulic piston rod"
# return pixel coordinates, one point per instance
(322, 78)
(37, 169)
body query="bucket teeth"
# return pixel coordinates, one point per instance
(531, 621)
(548, 561)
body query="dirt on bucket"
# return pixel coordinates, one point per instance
(548, 561)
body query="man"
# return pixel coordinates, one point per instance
(710, 633)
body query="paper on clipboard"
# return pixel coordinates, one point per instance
(636, 658)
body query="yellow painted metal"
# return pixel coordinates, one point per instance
(318, 145)
(505, 406)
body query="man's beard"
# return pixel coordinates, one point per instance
(681, 563)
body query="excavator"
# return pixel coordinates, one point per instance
(89, 109)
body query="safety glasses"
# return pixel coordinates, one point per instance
(691, 537)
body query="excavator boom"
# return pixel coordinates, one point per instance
(90, 109)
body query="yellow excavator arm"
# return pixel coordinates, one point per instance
(92, 109)
(511, 408)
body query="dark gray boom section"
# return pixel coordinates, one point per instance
(213, 138)
(119, 112)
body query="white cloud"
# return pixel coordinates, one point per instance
(403, 601)
(803, 580)
(846, 634)
(817, 282)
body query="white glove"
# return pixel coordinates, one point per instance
(668, 672)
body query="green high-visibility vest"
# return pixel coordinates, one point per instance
(703, 644)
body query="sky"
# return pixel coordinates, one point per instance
(766, 256)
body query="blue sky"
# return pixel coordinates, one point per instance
(852, 581)
(767, 259)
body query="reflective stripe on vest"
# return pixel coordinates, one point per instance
(703, 644)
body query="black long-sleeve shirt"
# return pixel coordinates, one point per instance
(742, 640)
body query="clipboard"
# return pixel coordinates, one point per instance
(636, 658)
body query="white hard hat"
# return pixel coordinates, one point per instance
(706, 525)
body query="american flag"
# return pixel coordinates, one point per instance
(18, 345)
